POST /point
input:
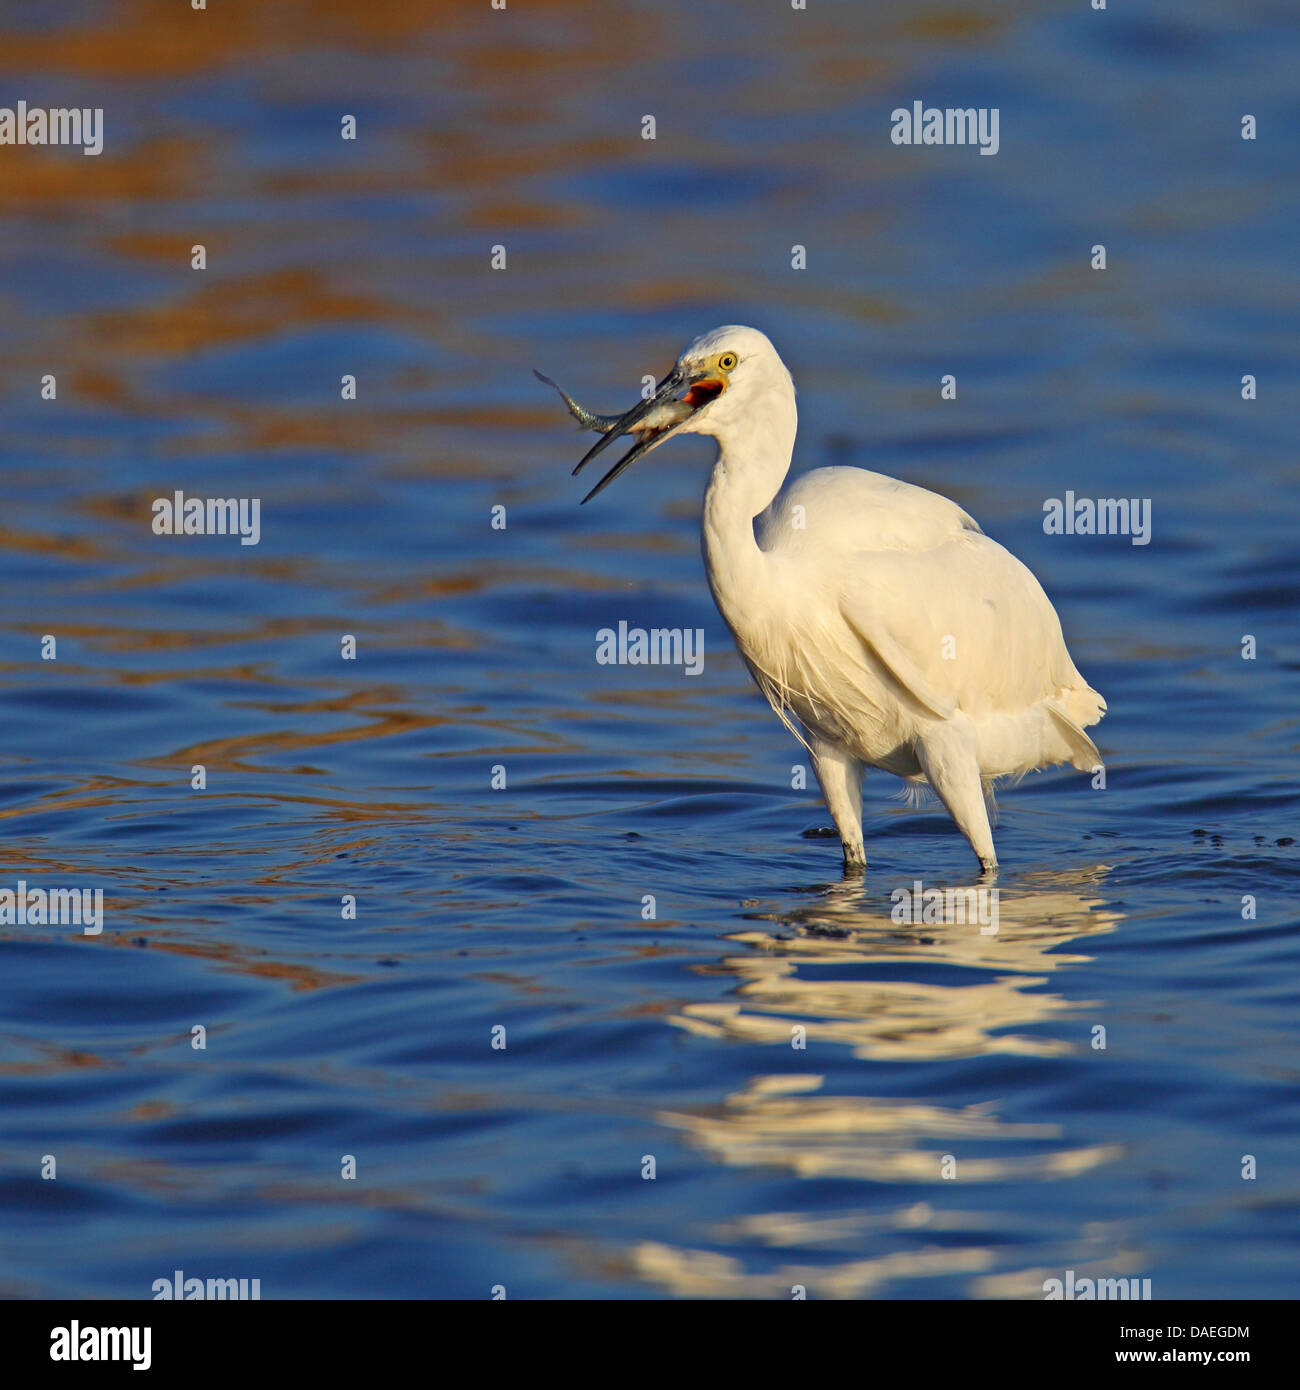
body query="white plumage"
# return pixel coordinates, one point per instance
(884, 627)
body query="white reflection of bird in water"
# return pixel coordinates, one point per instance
(847, 975)
(884, 627)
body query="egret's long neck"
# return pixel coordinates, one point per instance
(754, 453)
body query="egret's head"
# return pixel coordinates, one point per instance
(712, 384)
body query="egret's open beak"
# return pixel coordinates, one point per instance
(675, 400)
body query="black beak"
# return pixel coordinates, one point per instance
(674, 382)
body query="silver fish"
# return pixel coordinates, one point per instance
(588, 420)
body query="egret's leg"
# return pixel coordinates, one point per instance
(950, 766)
(840, 776)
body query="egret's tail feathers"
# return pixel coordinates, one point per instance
(1083, 752)
(1082, 705)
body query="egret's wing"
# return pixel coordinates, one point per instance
(944, 617)
(962, 624)
(893, 665)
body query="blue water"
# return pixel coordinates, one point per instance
(521, 908)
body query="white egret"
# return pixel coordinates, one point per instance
(884, 628)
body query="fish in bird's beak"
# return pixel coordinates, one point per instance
(587, 419)
(677, 397)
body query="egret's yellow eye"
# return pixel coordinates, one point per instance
(727, 361)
